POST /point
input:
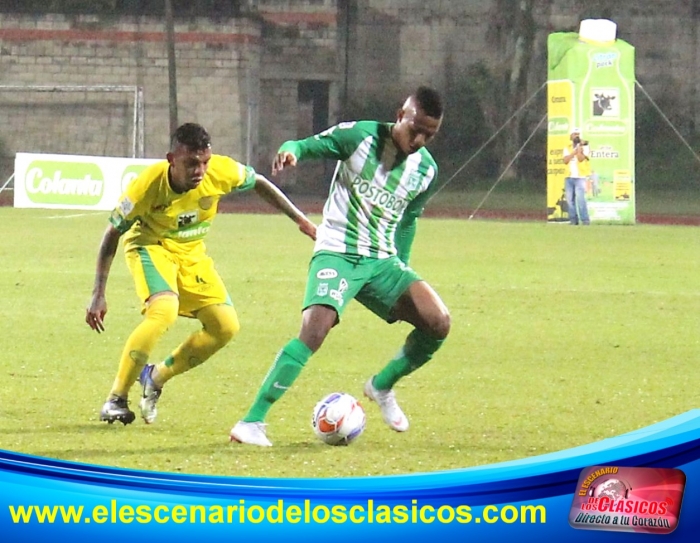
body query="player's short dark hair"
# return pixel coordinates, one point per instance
(191, 135)
(429, 101)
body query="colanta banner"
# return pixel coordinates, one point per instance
(591, 87)
(73, 181)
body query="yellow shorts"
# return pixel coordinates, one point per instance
(192, 277)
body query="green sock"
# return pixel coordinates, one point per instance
(284, 371)
(418, 349)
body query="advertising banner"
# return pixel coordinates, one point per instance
(633, 483)
(73, 181)
(591, 87)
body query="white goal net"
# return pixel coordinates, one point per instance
(96, 120)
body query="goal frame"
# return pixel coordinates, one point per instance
(137, 147)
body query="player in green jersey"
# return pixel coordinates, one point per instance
(383, 180)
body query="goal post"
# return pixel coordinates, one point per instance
(97, 120)
(137, 148)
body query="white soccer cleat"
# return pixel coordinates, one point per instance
(149, 396)
(250, 433)
(386, 400)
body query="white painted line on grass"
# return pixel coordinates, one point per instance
(70, 216)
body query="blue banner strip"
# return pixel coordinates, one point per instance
(487, 502)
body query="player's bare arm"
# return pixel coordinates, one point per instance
(282, 160)
(97, 309)
(269, 192)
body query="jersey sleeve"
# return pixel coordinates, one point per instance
(132, 204)
(337, 142)
(248, 179)
(233, 175)
(406, 229)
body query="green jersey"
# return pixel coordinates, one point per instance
(376, 193)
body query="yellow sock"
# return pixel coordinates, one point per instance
(159, 315)
(219, 325)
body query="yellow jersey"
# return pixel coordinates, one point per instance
(151, 212)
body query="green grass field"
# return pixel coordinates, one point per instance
(561, 336)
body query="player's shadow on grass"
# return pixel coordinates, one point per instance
(217, 446)
(80, 429)
(69, 431)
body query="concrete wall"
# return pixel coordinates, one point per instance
(300, 44)
(244, 78)
(397, 44)
(215, 62)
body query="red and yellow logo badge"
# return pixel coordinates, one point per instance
(624, 499)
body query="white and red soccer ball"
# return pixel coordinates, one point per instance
(338, 419)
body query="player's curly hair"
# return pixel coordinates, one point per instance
(429, 101)
(191, 135)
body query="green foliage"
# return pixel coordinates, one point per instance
(465, 127)
(662, 159)
(561, 337)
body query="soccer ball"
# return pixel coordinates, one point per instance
(338, 419)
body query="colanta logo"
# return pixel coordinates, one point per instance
(130, 173)
(558, 125)
(72, 183)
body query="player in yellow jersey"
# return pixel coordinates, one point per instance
(164, 214)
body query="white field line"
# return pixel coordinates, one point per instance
(74, 215)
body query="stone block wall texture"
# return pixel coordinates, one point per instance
(396, 45)
(300, 42)
(240, 77)
(215, 64)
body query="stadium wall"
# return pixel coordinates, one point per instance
(290, 66)
(438, 39)
(234, 76)
(213, 60)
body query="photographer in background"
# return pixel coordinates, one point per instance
(577, 158)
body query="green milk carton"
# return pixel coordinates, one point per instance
(591, 86)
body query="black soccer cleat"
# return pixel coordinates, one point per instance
(117, 409)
